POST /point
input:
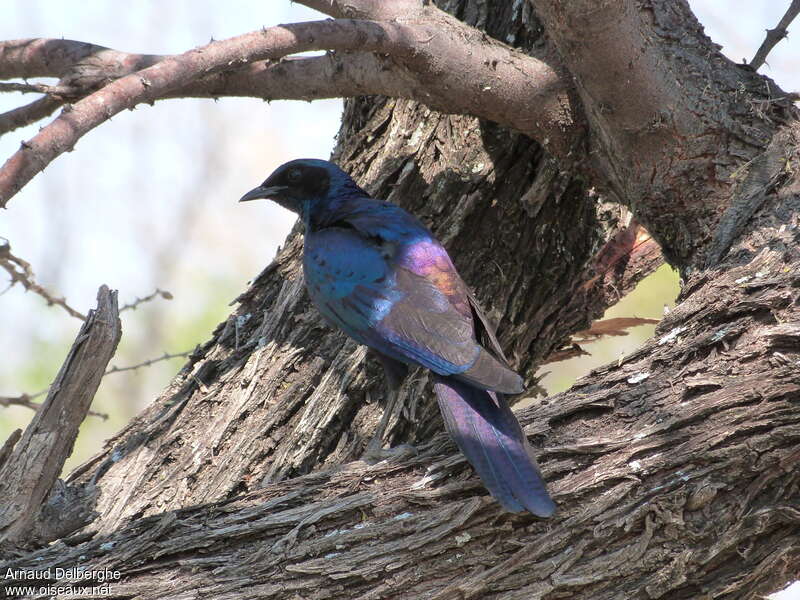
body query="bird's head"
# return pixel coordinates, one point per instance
(305, 185)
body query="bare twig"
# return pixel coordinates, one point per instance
(147, 363)
(33, 466)
(63, 91)
(30, 113)
(159, 292)
(775, 35)
(20, 272)
(25, 400)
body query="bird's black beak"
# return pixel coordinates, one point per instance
(272, 192)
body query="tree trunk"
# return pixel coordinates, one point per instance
(673, 469)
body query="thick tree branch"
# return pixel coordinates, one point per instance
(333, 75)
(775, 35)
(375, 10)
(29, 473)
(655, 132)
(624, 260)
(496, 82)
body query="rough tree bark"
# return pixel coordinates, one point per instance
(674, 469)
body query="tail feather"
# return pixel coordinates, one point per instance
(488, 434)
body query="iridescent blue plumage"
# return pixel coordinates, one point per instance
(377, 273)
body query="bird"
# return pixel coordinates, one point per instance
(377, 273)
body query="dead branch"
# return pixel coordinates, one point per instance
(158, 293)
(775, 35)
(36, 461)
(30, 113)
(8, 446)
(20, 272)
(496, 82)
(616, 327)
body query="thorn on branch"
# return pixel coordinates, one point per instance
(775, 35)
(20, 272)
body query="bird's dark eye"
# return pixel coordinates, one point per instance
(294, 175)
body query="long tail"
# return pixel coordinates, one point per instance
(485, 429)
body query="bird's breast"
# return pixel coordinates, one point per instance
(348, 279)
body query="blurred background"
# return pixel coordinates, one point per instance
(148, 201)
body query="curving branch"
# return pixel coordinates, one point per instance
(158, 293)
(434, 59)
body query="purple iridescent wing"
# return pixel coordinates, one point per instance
(355, 285)
(420, 310)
